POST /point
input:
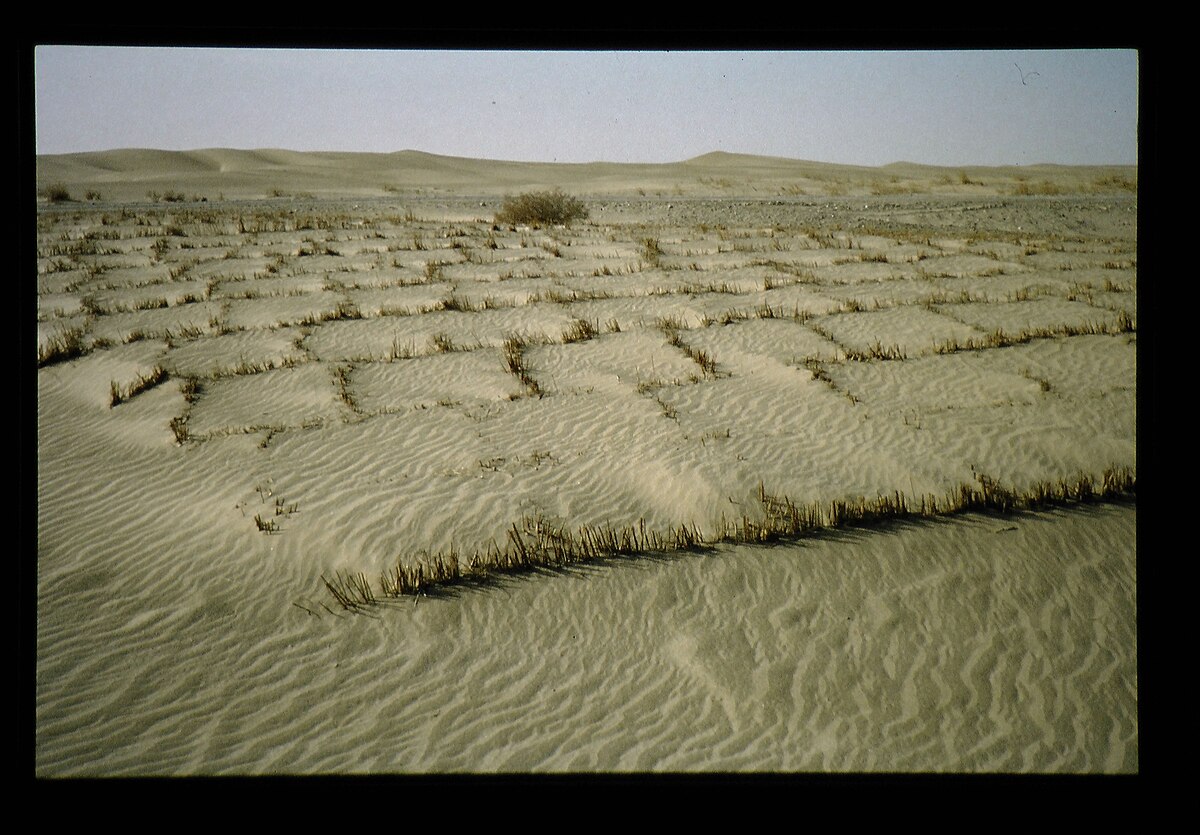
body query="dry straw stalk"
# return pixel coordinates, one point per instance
(535, 542)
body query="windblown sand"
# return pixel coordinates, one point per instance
(332, 361)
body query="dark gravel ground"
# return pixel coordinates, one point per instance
(1109, 217)
(1105, 217)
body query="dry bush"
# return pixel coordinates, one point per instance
(541, 207)
(1045, 187)
(57, 193)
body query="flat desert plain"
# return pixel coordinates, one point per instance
(763, 465)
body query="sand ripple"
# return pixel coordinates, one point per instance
(182, 627)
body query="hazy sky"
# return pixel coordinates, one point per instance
(865, 108)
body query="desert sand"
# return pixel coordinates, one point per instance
(259, 370)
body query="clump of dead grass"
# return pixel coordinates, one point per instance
(580, 330)
(62, 346)
(514, 363)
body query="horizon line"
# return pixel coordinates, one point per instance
(713, 153)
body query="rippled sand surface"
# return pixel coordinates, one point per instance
(261, 393)
(974, 644)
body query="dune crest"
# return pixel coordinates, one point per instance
(129, 174)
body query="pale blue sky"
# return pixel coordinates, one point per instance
(865, 108)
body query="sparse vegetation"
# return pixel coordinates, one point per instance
(190, 388)
(580, 330)
(341, 379)
(401, 350)
(535, 542)
(999, 338)
(1115, 182)
(1045, 187)
(352, 591)
(114, 283)
(670, 328)
(64, 345)
(542, 208)
(119, 394)
(343, 310)
(442, 343)
(57, 193)
(180, 428)
(514, 363)
(877, 351)
(1042, 382)
(652, 253)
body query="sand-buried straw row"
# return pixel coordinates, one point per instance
(1001, 339)
(532, 543)
(670, 328)
(514, 362)
(64, 345)
(119, 394)
(536, 543)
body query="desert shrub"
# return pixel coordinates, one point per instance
(1115, 182)
(1044, 187)
(57, 193)
(552, 207)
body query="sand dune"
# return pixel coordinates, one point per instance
(128, 174)
(240, 396)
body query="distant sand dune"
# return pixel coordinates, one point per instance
(130, 173)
